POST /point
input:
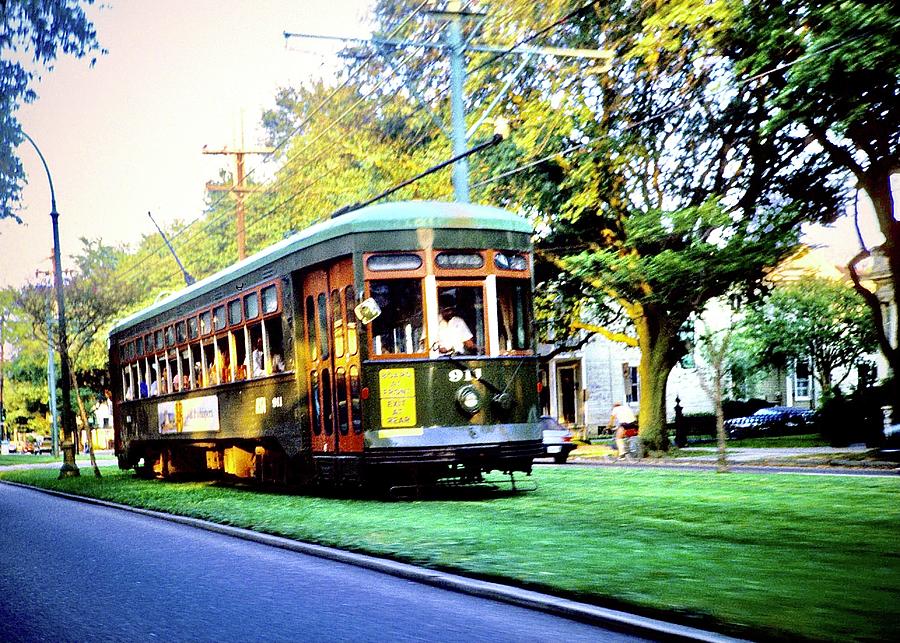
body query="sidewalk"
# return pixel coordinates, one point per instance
(855, 456)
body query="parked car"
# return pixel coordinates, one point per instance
(8, 446)
(557, 440)
(773, 420)
(43, 446)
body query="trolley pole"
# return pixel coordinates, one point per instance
(69, 468)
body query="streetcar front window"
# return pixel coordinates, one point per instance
(399, 329)
(461, 323)
(514, 314)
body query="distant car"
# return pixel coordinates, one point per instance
(557, 440)
(773, 420)
(8, 446)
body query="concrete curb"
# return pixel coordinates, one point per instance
(613, 619)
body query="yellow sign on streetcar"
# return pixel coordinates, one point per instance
(397, 388)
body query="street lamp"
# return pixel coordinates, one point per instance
(69, 468)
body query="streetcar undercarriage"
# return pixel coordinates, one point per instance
(264, 462)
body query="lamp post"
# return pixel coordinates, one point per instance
(69, 468)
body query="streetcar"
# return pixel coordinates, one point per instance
(322, 359)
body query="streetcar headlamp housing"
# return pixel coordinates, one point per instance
(468, 399)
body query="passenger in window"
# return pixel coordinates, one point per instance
(226, 368)
(129, 393)
(454, 335)
(257, 359)
(277, 363)
(198, 375)
(154, 388)
(185, 383)
(142, 389)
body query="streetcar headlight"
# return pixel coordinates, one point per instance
(468, 399)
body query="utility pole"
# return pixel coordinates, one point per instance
(454, 17)
(457, 47)
(239, 190)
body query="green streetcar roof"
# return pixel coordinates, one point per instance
(401, 215)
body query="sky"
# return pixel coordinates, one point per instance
(126, 136)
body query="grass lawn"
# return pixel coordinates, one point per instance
(772, 442)
(783, 555)
(28, 458)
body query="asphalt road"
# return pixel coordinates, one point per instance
(76, 572)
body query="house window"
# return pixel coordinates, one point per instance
(802, 381)
(632, 384)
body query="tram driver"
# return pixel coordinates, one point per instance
(454, 335)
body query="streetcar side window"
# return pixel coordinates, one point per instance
(322, 305)
(197, 365)
(186, 369)
(340, 386)
(208, 352)
(251, 306)
(352, 337)
(240, 353)
(269, 299)
(337, 320)
(275, 357)
(234, 312)
(257, 356)
(354, 400)
(399, 329)
(513, 314)
(315, 416)
(223, 359)
(219, 318)
(205, 323)
(311, 341)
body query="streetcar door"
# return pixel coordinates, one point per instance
(332, 340)
(344, 328)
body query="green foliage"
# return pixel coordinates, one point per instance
(833, 76)
(759, 556)
(94, 296)
(39, 31)
(813, 318)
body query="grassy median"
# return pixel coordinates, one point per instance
(783, 555)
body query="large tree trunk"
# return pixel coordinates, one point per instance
(877, 185)
(655, 343)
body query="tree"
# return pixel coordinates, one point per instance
(94, 298)
(668, 201)
(832, 73)
(39, 30)
(714, 349)
(814, 319)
